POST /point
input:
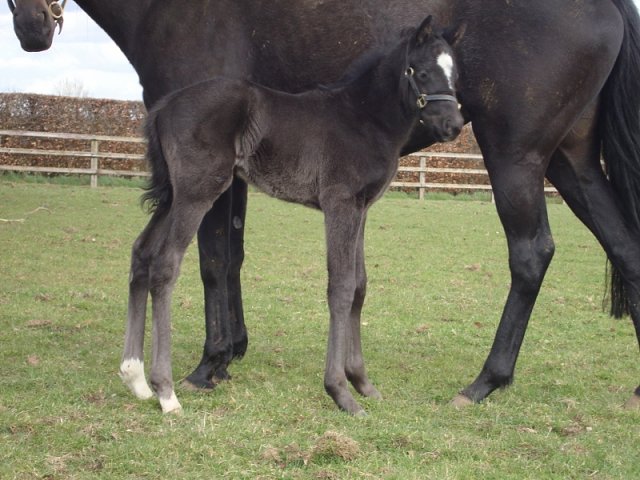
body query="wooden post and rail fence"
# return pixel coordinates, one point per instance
(95, 156)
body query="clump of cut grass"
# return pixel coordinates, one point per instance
(334, 445)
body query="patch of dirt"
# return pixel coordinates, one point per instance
(330, 446)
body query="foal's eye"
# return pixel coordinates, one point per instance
(422, 75)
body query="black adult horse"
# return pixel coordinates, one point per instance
(548, 84)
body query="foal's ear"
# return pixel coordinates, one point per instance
(453, 35)
(424, 30)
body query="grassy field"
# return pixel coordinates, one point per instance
(437, 281)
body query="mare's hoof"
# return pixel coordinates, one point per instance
(461, 401)
(205, 386)
(221, 375)
(633, 403)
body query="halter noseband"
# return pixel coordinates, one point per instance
(423, 98)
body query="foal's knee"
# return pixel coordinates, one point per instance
(162, 274)
(361, 290)
(139, 271)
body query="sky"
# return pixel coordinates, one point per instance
(83, 55)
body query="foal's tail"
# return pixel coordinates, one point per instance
(159, 193)
(620, 133)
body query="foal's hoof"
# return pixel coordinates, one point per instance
(633, 403)
(461, 401)
(361, 414)
(170, 405)
(132, 375)
(370, 391)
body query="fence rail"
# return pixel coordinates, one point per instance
(95, 155)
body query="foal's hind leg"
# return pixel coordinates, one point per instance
(132, 365)
(175, 234)
(355, 369)
(576, 172)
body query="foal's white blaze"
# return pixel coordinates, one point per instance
(132, 374)
(446, 64)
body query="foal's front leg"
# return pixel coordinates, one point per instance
(355, 370)
(342, 225)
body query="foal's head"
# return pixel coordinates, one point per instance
(431, 75)
(35, 21)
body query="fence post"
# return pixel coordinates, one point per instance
(422, 187)
(94, 163)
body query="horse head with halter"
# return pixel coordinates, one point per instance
(35, 22)
(431, 74)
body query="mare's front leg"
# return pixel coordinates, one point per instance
(213, 247)
(239, 334)
(343, 220)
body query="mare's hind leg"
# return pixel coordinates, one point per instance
(519, 196)
(576, 172)
(132, 365)
(343, 221)
(355, 369)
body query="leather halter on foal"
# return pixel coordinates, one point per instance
(424, 98)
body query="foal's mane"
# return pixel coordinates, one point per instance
(368, 60)
(356, 69)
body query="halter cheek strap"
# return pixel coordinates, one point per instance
(423, 98)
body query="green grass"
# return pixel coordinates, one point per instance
(71, 179)
(437, 282)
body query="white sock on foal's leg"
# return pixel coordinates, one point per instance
(170, 404)
(132, 374)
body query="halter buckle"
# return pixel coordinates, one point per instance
(56, 10)
(421, 98)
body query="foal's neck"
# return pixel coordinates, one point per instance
(379, 93)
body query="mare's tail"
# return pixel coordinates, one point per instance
(620, 133)
(159, 193)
